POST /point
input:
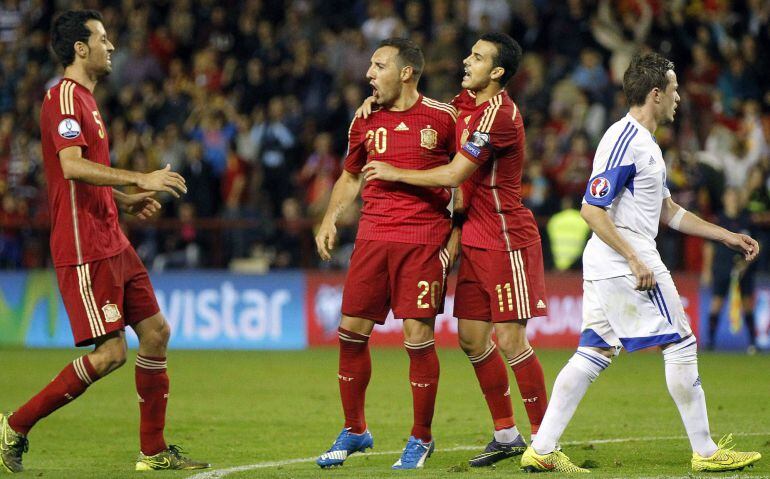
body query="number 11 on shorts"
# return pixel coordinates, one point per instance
(507, 287)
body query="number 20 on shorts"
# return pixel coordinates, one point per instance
(425, 287)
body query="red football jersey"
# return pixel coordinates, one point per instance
(492, 135)
(84, 218)
(419, 138)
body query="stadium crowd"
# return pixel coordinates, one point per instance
(251, 100)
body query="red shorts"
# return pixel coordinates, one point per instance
(106, 295)
(409, 278)
(500, 285)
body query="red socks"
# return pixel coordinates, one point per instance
(423, 376)
(71, 382)
(152, 388)
(354, 373)
(493, 379)
(529, 376)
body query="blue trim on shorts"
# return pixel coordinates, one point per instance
(635, 344)
(594, 360)
(657, 300)
(590, 338)
(663, 302)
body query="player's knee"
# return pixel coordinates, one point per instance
(472, 346)
(684, 352)
(108, 356)
(591, 361)
(513, 345)
(157, 337)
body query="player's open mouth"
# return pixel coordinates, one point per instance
(375, 91)
(466, 74)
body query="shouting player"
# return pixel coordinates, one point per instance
(102, 281)
(629, 298)
(399, 261)
(501, 280)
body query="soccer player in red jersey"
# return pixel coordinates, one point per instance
(501, 280)
(102, 281)
(399, 260)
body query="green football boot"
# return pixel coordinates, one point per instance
(12, 446)
(171, 458)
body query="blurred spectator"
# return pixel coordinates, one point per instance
(201, 180)
(274, 141)
(318, 175)
(575, 166)
(382, 23)
(568, 233)
(180, 246)
(591, 76)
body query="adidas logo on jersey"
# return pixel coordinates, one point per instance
(401, 127)
(540, 304)
(652, 161)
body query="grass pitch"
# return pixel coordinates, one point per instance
(262, 410)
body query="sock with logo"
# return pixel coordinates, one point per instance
(684, 385)
(152, 387)
(355, 370)
(568, 390)
(71, 382)
(529, 377)
(493, 379)
(423, 376)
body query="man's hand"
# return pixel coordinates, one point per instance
(453, 246)
(325, 239)
(141, 205)
(378, 170)
(645, 280)
(163, 180)
(744, 244)
(365, 109)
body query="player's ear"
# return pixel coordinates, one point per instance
(497, 73)
(81, 49)
(406, 73)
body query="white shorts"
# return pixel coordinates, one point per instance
(615, 314)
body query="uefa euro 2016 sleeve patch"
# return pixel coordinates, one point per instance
(69, 128)
(600, 187)
(476, 143)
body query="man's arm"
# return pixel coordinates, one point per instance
(601, 224)
(450, 175)
(682, 220)
(75, 167)
(345, 190)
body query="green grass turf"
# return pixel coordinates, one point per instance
(241, 408)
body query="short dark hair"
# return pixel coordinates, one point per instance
(646, 71)
(409, 54)
(508, 54)
(69, 28)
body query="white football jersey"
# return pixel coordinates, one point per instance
(629, 180)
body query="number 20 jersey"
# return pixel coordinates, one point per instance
(419, 138)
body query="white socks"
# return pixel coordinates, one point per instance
(570, 387)
(507, 435)
(685, 388)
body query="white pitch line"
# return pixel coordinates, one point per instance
(219, 473)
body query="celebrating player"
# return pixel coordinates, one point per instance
(102, 281)
(629, 298)
(399, 260)
(501, 279)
